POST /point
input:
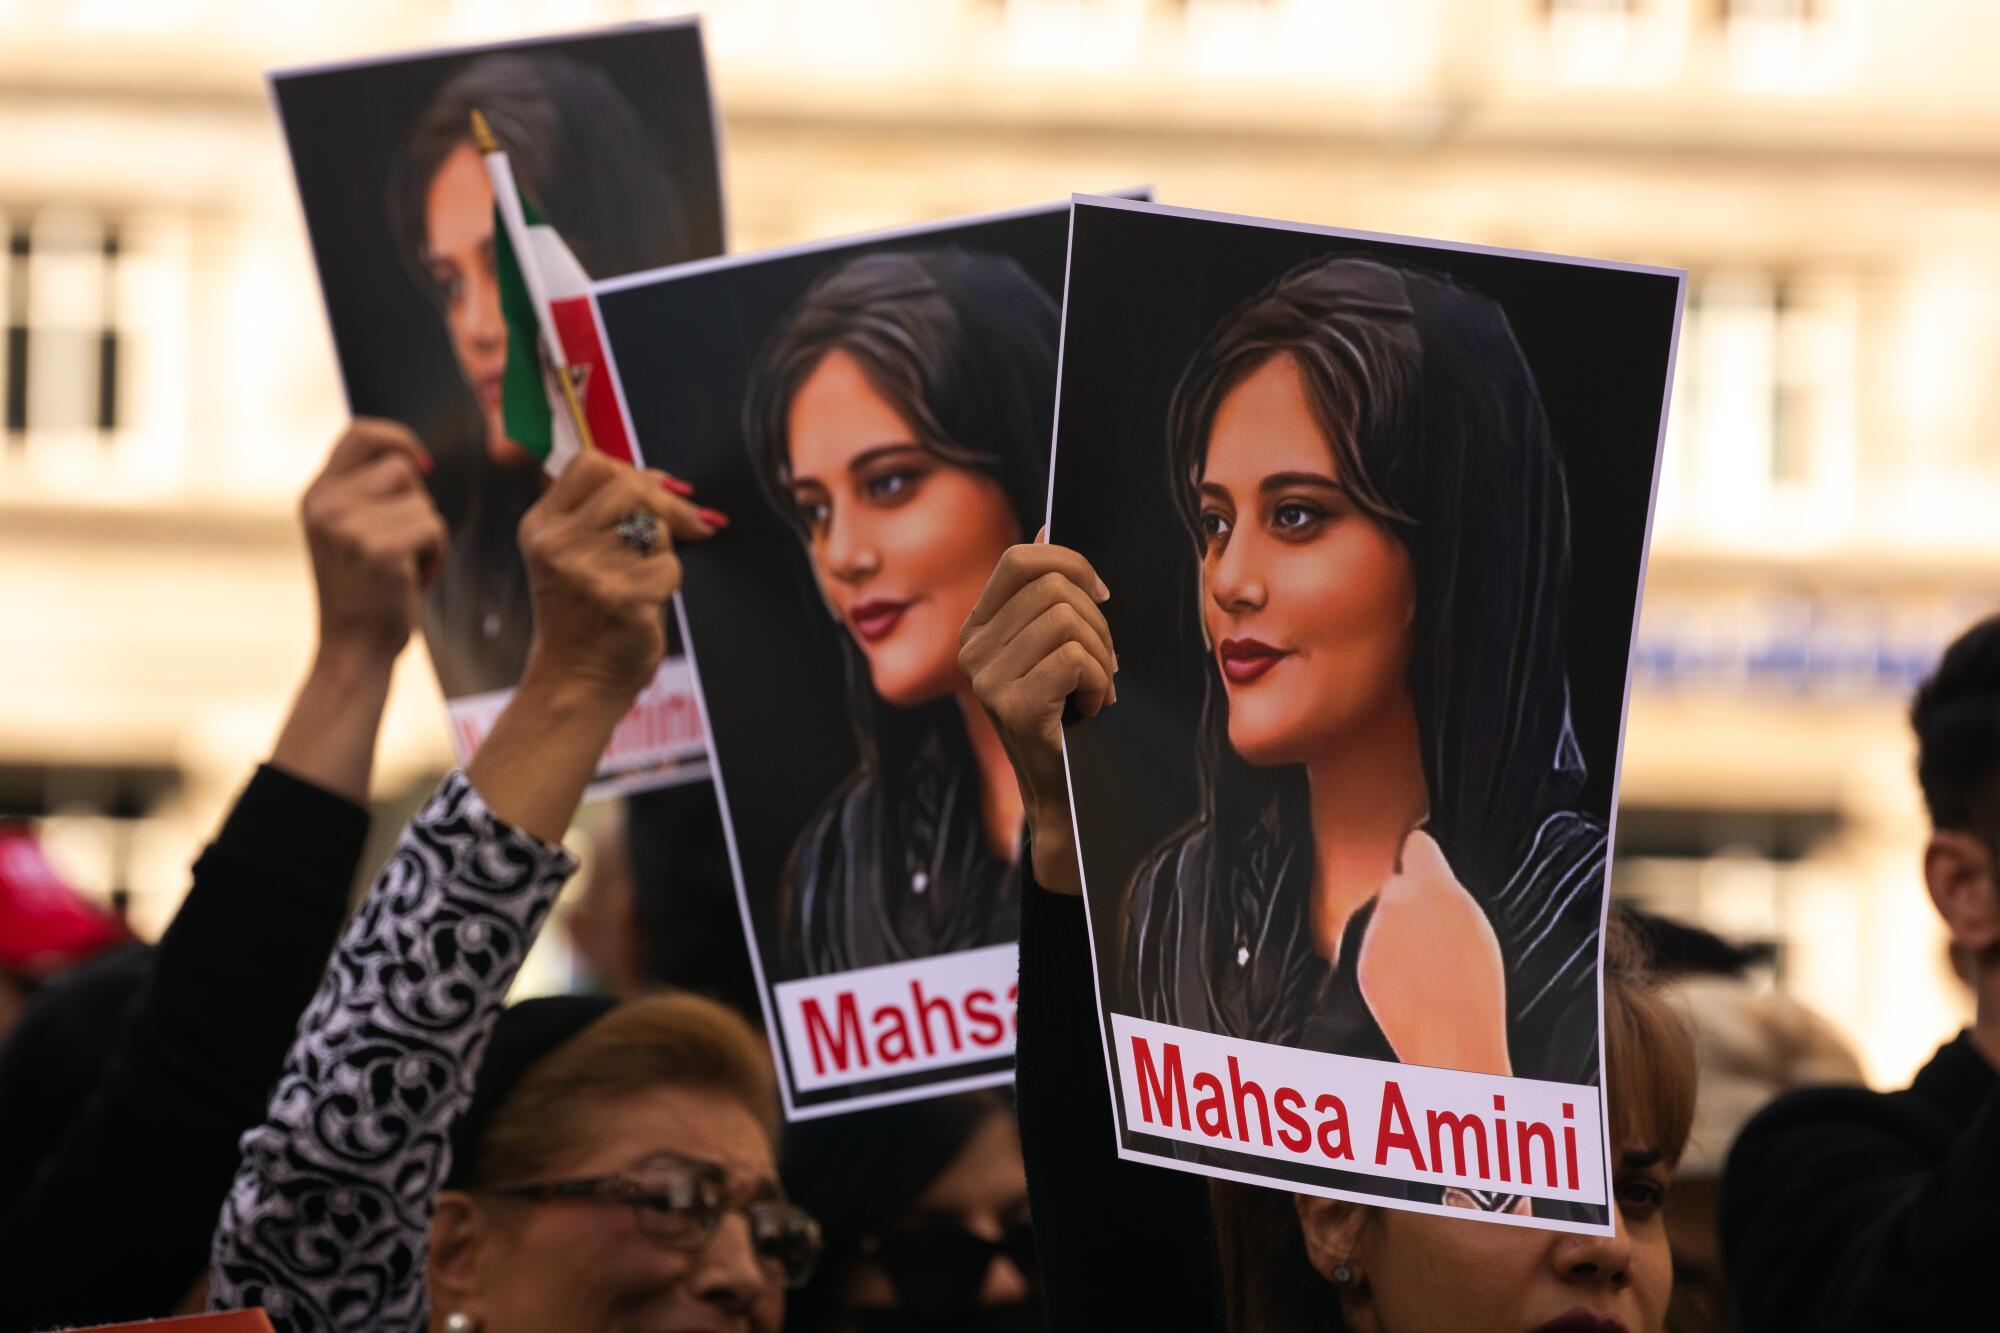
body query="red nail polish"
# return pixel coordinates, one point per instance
(676, 485)
(715, 518)
(426, 464)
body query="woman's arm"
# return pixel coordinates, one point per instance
(1120, 1245)
(325, 1226)
(209, 1031)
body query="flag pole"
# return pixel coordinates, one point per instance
(484, 142)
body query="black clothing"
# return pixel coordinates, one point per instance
(1235, 957)
(883, 876)
(689, 925)
(56, 1055)
(1845, 1209)
(117, 1226)
(1121, 1244)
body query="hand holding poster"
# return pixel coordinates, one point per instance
(608, 141)
(1373, 512)
(874, 416)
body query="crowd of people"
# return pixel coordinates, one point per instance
(332, 1113)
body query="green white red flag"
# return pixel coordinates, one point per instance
(552, 330)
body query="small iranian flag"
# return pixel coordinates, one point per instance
(553, 338)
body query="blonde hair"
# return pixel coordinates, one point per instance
(672, 1040)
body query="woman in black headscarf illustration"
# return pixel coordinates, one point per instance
(1388, 861)
(580, 151)
(900, 420)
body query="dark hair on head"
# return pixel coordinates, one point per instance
(1956, 716)
(577, 148)
(1436, 430)
(862, 1174)
(961, 344)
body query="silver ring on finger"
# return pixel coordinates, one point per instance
(640, 530)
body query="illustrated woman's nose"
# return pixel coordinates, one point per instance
(485, 327)
(1234, 582)
(850, 555)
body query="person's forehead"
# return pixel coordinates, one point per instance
(1265, 424)
(837, 414)
(986, 1174)
(458, 207)
(691, 1123)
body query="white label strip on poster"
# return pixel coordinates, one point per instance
(663, 726)
(1370, 1117)
(900, 1018)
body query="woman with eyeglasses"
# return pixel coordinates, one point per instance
(925, 1207)
(428, 1162)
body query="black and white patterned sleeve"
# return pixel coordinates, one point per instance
(325, 1226)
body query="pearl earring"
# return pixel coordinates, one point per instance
(459, 1322)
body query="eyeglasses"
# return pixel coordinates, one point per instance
(683, 1206)
(941, 1267)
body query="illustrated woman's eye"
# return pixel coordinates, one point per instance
(450, 289)
(1214, 525)
(890, 487)
(814, 513)
(1296, 517)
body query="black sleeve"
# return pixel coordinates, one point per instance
(117, 1226)
(1120, 1244)
(1839, 1215)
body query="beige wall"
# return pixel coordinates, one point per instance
(152, 587)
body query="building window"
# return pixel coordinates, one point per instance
(96, 369)
(1761, 436)
(63, 356)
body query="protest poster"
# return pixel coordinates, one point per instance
(611, 135)
(1374, 514)
(874, 417)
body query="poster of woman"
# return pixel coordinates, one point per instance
(874, 415)
(612, 134)
(1375, 515)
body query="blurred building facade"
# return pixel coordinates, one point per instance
(1829, 171)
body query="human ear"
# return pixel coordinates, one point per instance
(1332, 1230)
(1958, 871)
(461, 1235)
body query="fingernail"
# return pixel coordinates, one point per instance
(715, 518)
(1103, 593)
(676, 485)
(425, 463)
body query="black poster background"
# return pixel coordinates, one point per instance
(766, 649)
(346, 128)
(1144, 288)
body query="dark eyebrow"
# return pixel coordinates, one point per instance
(864, 460)
(1640, 1158)
(1279, 481)
(869, 457)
